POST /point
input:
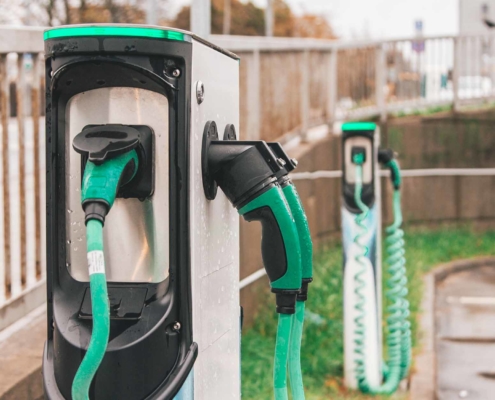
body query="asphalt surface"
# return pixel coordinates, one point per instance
(465, 335)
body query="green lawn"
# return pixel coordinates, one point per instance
(322, 343)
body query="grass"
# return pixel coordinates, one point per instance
(322, 344)
(426, 111)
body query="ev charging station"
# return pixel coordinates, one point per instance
(172, 256)
(362, 137)
(143, 249)
(361, 228)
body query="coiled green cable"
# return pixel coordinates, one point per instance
(398, 326)
(396, 261)
(101, 313)
(282, 356)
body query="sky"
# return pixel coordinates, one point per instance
(383, 18)
(357, 19)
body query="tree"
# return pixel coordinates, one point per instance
(248, 19)
(65, 12)
(314, 26)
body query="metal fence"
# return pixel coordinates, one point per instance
(22, 238)
(287, 86)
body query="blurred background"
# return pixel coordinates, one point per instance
(423, 70)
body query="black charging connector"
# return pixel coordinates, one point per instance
(385, 157)
(243, 169)
(97, 143)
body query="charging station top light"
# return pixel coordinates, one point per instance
(115, 31)
(359, 126)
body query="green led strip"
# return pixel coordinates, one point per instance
(114, 31)
(359, 126)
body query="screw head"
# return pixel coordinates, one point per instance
(177, 326)
(294, 161)
(200, 92)
(281, 161)
(176, 72)
(52, 73)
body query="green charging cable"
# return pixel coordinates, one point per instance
(99, 190)
(398, 326)
(101, 312)
(396, 262)
(306, 244)
(281, 356)
(295, 371)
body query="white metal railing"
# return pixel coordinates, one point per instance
(361, 79)
(22, 271)
(287, 87)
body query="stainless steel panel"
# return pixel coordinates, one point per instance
(136, 234)
(214, 236)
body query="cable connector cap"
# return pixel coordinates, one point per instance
(385, 156)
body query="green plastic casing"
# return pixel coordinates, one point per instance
(302, 226)
(102, 182)
(275, 200)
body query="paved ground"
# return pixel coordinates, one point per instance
(21, 351)
(465, 335)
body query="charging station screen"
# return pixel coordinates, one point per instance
(136, 234)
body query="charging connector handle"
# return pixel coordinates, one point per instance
(279, 245)
(246, 173)
(387, 158)
(102, 182)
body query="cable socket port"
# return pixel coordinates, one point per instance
(358, 155)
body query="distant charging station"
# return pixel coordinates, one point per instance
(365, 367)
(362, 138)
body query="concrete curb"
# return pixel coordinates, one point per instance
(424, 379)
(21, 350)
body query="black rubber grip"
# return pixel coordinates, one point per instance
(272, 243)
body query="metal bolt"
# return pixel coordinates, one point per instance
(177, 326)
(176, 72)
(52, 73)
(294, 161)
(200, 92)
(281, 161)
